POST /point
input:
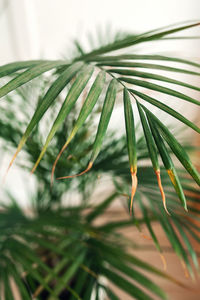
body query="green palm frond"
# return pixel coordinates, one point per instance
(60, 250)
(78, 252)
(81, 69)
(147, 199)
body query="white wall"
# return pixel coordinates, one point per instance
(31, 28)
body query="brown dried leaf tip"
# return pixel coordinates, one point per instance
(161, 191)
(134, 187)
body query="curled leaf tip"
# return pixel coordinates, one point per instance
(33, 169)
(163, 262)
(56, 161)
(162, 191)
(133, 188)
(76, 175)
(12, 160)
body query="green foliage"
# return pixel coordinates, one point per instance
(56, 249)
(62, 251)
(66, 70)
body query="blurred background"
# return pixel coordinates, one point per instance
(33, 28)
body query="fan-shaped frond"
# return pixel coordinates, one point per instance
(118, 69)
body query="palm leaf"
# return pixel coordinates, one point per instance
(131, 143)
(102, 127)
(49, 97)
(176, 148)
(57, 232)
(28, 75)
(153, 76)
(160, 89)
(152, 152)
(168, 163)
(134, 40)
(68, 104)
(167, 109)
(34, 69)
(16, 66)
(108, 59)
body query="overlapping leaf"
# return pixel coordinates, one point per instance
(34, 71)
(167, 109)
(176, 147)
(68, 104)
(126, 61)
(87, 261)
(152, 152)
(131, 143)
(46, 102)
(102, 127)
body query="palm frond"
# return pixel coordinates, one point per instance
(61, 250)
(67, 70)
(33, 244)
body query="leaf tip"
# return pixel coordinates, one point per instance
(56, 161)
(35, 166)
(134, 186)
(10, 165)
(161, 191)
(76, 175)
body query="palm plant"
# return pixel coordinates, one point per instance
(61, 251)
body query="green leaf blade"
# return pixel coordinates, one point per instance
(28, 75)
(47, 100)
(167, 161)
(70, 100)
(149, 139)
(147, 66)
(187, 243)
(160, 89)
(73, 95)
(125, 285)
(134, 40)
(110, 58)
(167, 109)
(102, 127)
(10, 68)
(131, 143)
(136, 276)
(105, 118)
(130, 131)
(152, 152)
(154, 77)
(178, 150)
